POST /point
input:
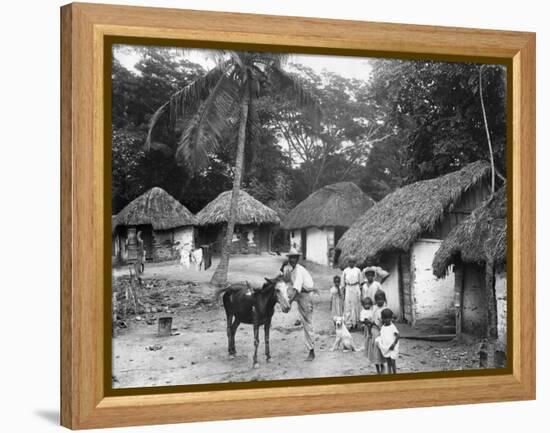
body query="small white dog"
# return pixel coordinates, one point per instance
(342, 336)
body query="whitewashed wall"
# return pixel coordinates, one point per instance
(433, 298)
(184, 235)
(502, 299)
(317, 244)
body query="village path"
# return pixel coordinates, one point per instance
(198, 351)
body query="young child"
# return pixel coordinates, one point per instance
(373, 351)
(388, 341)
(366, 319)
(336, 299)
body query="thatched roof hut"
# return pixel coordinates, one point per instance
(479, 238)
(156, 208)
(249, 211)
(394, 223)
(336, 205)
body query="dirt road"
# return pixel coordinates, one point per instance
(197, 353)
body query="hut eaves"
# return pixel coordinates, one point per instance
(339, 204)
(395, 222)
(249, 211)
(157, 208)
(479, 238)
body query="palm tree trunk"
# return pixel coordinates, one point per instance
(220, 275)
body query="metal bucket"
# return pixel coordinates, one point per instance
(165, 326)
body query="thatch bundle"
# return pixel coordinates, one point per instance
(155, 207)
(339, 204)
(479, 238)
(395, 222)
(249, 211)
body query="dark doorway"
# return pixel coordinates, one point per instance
(304, 243)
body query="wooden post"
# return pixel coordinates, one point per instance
(491, 301)
(487, 350)
(459, 298)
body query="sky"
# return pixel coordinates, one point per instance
(348, 67)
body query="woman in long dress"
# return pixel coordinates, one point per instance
(351, 278)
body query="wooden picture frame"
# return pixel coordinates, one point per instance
(85, 215)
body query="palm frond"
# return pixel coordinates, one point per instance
(187, 99)
(205, 130)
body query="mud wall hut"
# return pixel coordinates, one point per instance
(475, 251)
(402, 233)
(316, 224)
(165, 225)
(253, 226)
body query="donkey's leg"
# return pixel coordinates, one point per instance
(256, 343)
(267, 327)
(230, 348)
(234, 326)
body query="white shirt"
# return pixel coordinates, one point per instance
(351, 276)
(369, 290)
(300, 277)
(366, 315)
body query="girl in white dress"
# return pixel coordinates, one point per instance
(388, 340)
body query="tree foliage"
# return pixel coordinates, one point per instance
(412, 120)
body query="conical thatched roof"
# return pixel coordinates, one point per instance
(339, 204)
(155, 207)
(249, 211)
(395, 222)
(477, 239)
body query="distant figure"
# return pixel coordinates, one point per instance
(206, 256)
(197, 258)
(351, 277)
(140, 253)
(185, 256)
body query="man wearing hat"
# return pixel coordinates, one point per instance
(302, 286)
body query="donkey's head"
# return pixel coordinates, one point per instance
(280, 287)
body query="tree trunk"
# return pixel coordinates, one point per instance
(220, 275)
(487, 133)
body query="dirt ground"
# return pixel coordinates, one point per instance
(197, 350)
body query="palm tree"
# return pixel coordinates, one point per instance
(219, 101)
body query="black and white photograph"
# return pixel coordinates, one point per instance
(285, 216)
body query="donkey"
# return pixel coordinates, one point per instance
(255, 307)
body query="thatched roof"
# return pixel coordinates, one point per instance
(395, 222)
(477, 239)
(249, 211)
(155, 207)
(339, 204)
